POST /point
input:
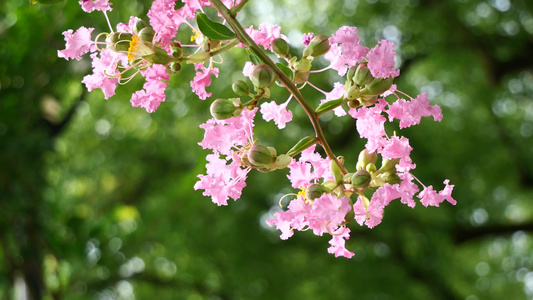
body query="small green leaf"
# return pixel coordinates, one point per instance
(213, 30)
(285, 70)
(45, 2)
(327, 106)
(253, 58)
(303, 144)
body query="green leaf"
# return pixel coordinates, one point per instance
(285, 70)
(303, 144)
(253, 58)
(213, 30)
(327, 106)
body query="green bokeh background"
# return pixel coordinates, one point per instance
(97, 198)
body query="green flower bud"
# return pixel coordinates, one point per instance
(335, 170)
(319, 45)
(315, 191)
(303, 144)
(362, 75)
(208, 44)
(361, 179)
(240, 88)
(301, 77)
(354, 104)
(146, 34)
(304, 65)
(351, 73)
(261, 76)
(282, 161)
(173, 67)
(260, 156)
(369, 101)
(393, 179)
(377, 87)
(176, 50)
(119, 41)
(222, 109)
(280, 47)
(366, 158)
(353, 92)
(389, 166)
(138, 26)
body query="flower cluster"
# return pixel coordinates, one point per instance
(331, 195)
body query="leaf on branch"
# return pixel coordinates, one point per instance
(327, 106)
(253, 58)
(303, 144)
(285, 70)
(213, 30)
(45, 2)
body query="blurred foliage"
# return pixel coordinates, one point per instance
(97, 197)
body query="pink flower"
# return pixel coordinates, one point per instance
(328, 210)
(300, 173)
(165, 20)
(294, 218)
(396, 147)
(265, 35)
(154, 88)
(202, 80)
(92, 5)
(410, 112)
(338, 242)
(338, 62)
(278, 113)
(223, 135)
(248, 66)
(352, 51)
(103, 67)
(430, 197)
(77, 44)
(381, 60)
(307, 37)
(123, 27)
(371, 124)
(223, 181)
(371, 216)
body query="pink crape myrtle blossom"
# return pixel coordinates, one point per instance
(327, 213)
(266, 34)
(307, 37)
(153, 92)
(348, 53)
(300, 173)
(294, 218)
(223, 135)
(165, 19)
(104, 67)
(371, 124)
(226, 177)
(77, 43)
(202, 80)
(278, 113)
(223, 181)
(248, 66)
(381, 60)
(338, 242)
(337, 93)
(429, 197)
(123, 27)
(92, 5)
(410, 112)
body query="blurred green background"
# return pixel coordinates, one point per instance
(97, 198)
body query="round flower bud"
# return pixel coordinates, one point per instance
(119, 41)
(335, 170)
(176, 49)
(362, 75)
(261, 76)
(146, 34)
(280, 47)
(222, 109)
(377, 87)
(240, 88)
(351, 73)
(173, 67)
(393, 179)
(361, 179)
(260, 156)
(319, 45)
(389, 166)
(366, 158)
(282, 161)
(315, 191)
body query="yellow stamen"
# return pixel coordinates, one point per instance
(195, 36)
(133, 47)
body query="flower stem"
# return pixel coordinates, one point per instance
(238, 8)
(247, 40)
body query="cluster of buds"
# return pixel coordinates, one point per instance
(363, 89)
